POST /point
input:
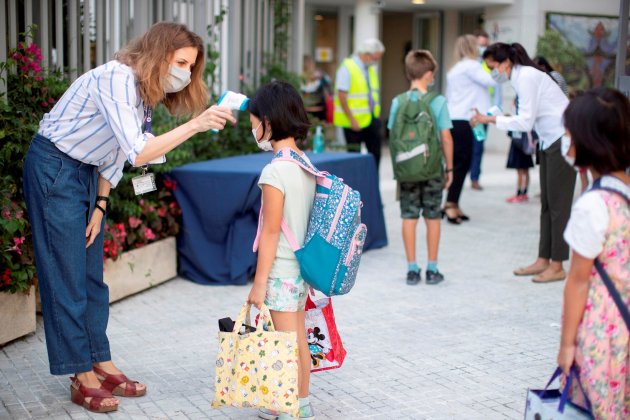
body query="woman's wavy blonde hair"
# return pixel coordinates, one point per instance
(466, 47)
(149, 57)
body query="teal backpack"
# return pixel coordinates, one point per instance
(414, 142)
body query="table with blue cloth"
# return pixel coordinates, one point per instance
(220, 201)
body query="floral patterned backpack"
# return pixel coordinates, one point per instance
(330, 257)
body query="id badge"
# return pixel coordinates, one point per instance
(144, 183)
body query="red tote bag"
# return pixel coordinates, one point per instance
(323, 338)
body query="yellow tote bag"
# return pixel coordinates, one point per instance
(258, 369)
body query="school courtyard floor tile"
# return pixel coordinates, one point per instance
(467, 348)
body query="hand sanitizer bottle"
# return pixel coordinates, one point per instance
(479, 130)
(318, 140)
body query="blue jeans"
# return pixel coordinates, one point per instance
(60, 194)
(477, 155)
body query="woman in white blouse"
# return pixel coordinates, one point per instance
(77, 156)
(541, 105)
(467, 86)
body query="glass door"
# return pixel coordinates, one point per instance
(427, 35)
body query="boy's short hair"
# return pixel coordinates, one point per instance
(418, 63)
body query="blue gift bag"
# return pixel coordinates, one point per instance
(546, 404)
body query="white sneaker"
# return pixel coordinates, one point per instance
(306, 413)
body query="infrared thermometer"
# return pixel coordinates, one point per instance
(234, 101)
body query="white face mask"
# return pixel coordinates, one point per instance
(264, 145)
(499, 77)
(176, 80)
(565, 145)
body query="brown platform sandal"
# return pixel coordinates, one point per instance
(79, 392)
(119, 385)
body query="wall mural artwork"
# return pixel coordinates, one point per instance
(595, 37)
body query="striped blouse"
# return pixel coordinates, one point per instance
(99, 119)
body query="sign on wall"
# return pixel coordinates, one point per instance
(323, 54)
(595, 38)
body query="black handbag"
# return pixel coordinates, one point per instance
(525, 142)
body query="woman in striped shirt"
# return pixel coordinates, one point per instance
(76, 157)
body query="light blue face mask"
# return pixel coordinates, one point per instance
(498, 76)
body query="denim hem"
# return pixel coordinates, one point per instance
(70, 368)
(101, 356)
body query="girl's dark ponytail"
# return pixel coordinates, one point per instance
(515, 52)
(518, 55)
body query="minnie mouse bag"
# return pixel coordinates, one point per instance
(324, 343)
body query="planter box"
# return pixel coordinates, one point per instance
(140, 269)
(17, 312)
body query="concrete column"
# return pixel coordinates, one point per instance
(233, 22)
(366, 21)
(343, 33)
(297, 41)
(308, 44)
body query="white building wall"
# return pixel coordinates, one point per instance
(524, 22)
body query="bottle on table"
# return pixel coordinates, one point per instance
(318, 140)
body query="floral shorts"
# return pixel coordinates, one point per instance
(286, 294)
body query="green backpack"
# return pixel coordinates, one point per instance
(414, 142)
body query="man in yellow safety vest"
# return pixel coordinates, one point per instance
(357, 98)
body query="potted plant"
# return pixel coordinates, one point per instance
(31, 91)
(139, 244)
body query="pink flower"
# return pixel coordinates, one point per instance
(38, 78)
(6, 213)
(51, 100)
(611, 329)
(614, 385)
(134, 222)
(16, 245)
(148, 233)
(161, 212)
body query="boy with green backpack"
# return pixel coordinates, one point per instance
(421, 148)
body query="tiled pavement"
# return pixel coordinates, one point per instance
(465, 349)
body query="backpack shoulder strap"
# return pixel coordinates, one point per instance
(428, 97)
(289, 155)
(611, 184)
(612, 290)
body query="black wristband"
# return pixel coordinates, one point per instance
(101, 209)
(102, 198)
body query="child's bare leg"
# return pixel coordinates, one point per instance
(433, 238)
(294, 321)
(409, 238)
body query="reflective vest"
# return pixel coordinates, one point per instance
(357, 97)
(488, 70)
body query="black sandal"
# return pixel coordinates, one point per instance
(454, 220)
